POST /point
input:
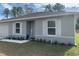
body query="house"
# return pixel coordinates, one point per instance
(54, 26)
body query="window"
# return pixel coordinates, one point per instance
(17, 28)
(51, 28)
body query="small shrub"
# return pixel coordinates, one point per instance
(44, 41)
(52, 43)
(41, 40)
(55, 42)
(8, 37)
(14, 38)
(17, 38)
(37, 40)
(69, 44)
(62, 44)
(49, 42)
(22, 38)
(32, 39)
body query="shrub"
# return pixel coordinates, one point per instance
(44, 41)
(52, 43)
(13, 37)
(37, 40)
(69, 44)
(62, 44)
(8, 37)
(55, 42)
(41, 40)
(22, 38)
(32, 39)
(77, 26)
(49, 42)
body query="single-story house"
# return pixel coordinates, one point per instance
(54, 26)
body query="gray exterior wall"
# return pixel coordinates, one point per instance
(66, 40)
(67, 30)
(67, 25)
(24, 28)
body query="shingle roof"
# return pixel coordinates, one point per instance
(38, 14)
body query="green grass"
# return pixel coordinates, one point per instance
(38, 49)
(74, 51)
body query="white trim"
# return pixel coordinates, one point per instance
(52, 27)
(14, 29)
(44, 27)
(75, 20)
(58, 27)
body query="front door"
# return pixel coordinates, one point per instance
(29, 28)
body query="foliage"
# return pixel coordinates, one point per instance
(40, 40)
(32, 39)
(49, 42)
(6, 12)
(54, 8)
(48, 8)
(58, 7)
(15, 38)
(55, 42)
(62, 44)
(19, 10)
(77, 26)
(16, 11)
(44, 41)
(78, 21)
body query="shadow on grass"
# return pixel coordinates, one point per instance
(32, 49)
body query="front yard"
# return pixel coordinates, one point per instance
(37, 49)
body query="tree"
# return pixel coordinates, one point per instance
(19, 11)
(6, 12)
(48, 8)
(14, 11)
(58, 7)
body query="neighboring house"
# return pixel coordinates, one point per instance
(42, 25)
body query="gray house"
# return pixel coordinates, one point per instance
(42, 25)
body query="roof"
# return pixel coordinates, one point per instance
(38, 15)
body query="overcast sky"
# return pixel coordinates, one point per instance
(35, 6)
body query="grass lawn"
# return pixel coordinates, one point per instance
(37, 49)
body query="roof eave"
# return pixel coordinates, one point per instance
(32, 18)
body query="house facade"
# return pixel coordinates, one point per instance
(58, 27)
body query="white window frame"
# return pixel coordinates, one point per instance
(14, 28)
(52, 28)
(58, 27)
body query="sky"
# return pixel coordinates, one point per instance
(30, 5)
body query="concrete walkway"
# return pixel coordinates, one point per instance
(14, 41)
